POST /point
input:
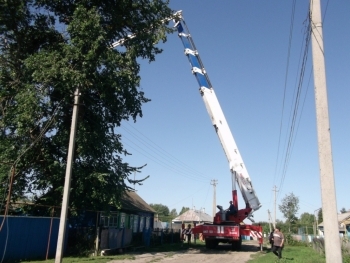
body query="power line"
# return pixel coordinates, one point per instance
(172, 157)
(285, 84)
(293, 131)
(156, 156)
(296, 107)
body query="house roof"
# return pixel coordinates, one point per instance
(193, 216)
(133, 202)
(343, 219)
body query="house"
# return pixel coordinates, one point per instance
(193, 216)
(343, 222)
(120, 226)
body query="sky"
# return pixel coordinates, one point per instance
(244, 46)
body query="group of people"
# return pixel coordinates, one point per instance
(276, 239)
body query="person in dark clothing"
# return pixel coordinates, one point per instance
(271, 239)
(232, 210)
(278, 241)
(189, 234)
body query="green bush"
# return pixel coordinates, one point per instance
(289, 240)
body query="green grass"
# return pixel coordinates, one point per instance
(291, 254)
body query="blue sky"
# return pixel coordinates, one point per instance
(244, 47)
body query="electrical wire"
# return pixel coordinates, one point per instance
(185, 198)
(165, 153)
(285, 86)
(160, 162)
(295, 111)
(157, 154)
(293, 132)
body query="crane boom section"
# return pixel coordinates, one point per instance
(217, 117)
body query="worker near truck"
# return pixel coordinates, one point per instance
(278, 241)
(188, 233)
(271, 239)
(232, 210)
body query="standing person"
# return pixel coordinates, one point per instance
(278, 241)
(271, 238)
(189, 233)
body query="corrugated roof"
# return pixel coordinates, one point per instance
(342, 219)
(133, 202)
(344, 216)
(193, 215)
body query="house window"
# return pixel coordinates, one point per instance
(148, 220)
(109, 220)
(136, 223)
(142, 223)
(122, 220)
(131, 221)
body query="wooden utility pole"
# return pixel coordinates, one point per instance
(329, 204)
(66, 190)
(214, 183)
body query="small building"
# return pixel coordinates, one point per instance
(343, 223)
(193, 216)
(121, 225)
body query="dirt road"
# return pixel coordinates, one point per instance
(222, 253)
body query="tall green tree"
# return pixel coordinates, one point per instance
(320, 216)
(162, 210)
(173, 213)
(48, 49)
(289, 208)
(307, 219)
(183, 210)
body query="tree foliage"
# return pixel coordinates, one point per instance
(48, 49)
(343, 210)
(307, 219)
(320, 216)
(183, 210)
(162, 210)
(289, 207)
(173, 213)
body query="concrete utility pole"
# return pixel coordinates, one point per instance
(274, 219)
(329, 204)
(214, 183)
(268, 212)
(65, 201)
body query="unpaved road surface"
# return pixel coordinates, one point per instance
(222, 254)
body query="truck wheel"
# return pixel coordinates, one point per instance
(207, 243)
(211, 244)
(237, 245)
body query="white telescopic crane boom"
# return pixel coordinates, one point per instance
(217, 117)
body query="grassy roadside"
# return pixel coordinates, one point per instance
(166, 248)
(300, 253)
(291, 254)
